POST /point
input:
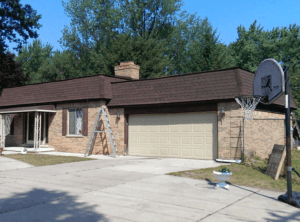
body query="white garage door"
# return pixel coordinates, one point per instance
(186, 135)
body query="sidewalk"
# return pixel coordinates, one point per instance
(11, 164)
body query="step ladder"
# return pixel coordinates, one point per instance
(94, 132)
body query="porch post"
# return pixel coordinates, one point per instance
(37, 130)
(2, 128)
(34, 136)
(40, 128)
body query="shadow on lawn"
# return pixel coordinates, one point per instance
(43, 205)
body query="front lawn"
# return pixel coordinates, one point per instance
(43, 160)
(251, 174)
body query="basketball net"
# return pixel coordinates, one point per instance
(248, 104)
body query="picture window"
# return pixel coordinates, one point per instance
(75, 121)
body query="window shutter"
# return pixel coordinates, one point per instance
(85, 121)
(47, 126)
(12, 127)
(64, 122)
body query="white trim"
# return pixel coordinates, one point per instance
(26, 111)
(75, 135)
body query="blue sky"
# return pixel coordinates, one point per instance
(225, 15)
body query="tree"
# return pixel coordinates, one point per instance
(42, 64)
(10, 71)
(195, 46)
(150, 18)
(148, 54)
(59, 66)
(96, 24)
(32, 58)
(283, 44)
(289, 46)
(206, 52)
(255, 45)
(183, 34)
(17, 23)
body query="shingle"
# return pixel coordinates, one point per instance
(193, 87)
(67, 90)
(204, 86)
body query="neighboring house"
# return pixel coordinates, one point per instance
(193, 115)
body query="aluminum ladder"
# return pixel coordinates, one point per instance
(108, 130)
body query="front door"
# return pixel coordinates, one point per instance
(30, 128)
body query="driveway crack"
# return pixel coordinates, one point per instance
(229, 205)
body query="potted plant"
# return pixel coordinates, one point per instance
(222, 176)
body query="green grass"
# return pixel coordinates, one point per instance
(43, 160)
(252, 173)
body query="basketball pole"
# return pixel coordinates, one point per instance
(288, 136)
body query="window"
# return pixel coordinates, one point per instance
(75, 121)
(8, 124)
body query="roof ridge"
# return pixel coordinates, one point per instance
(185, 74)
(62, 80)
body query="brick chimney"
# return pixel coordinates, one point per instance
(128, 69)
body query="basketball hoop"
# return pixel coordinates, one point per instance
(248, 104)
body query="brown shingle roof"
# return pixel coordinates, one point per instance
(93, 87)
(192, 87)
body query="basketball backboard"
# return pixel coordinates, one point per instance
(268, 81)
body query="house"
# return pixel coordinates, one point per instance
(194, 115)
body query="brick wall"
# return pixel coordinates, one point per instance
(265, 130)
(260, 134)
(77, 144)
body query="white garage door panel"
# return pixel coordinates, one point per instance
(188, 135)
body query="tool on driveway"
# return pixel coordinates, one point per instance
(94, 132)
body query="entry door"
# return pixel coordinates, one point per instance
(30, 128)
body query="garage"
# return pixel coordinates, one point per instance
(183, 135)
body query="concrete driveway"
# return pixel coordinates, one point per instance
(130, 189)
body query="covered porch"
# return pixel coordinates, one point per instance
(25, 128)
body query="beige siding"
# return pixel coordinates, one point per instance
(188, 135)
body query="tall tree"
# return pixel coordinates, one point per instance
(195, 46)
(60, 65)
(150, 18)
(147, 53)
(96, 24)
(32, 58)
(17, 23)
(283, 44)
(289, 49)
(178, 42)
(10, 71)
(206, 52)
(255, 45)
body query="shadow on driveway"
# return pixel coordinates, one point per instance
(42, 205)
